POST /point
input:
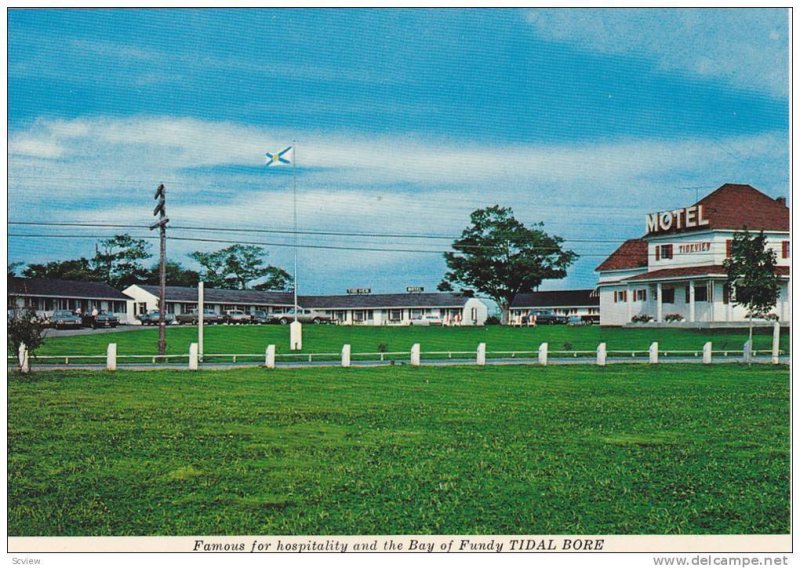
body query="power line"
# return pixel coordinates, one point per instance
(308, 246)
(277, 231)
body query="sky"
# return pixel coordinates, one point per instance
(404, 121)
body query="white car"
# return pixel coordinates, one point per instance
(427, 320)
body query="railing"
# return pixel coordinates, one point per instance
(414, 357)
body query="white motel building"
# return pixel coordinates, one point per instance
(675, 270)
(350, 309)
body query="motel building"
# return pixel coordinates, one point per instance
(45, 295)
(360, 307)
(581, 305)
(675, 270)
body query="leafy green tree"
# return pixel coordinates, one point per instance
(177, 275)
(752, 277)
(500, 257)
(13, 267)
(237, 266)
(24, 327)
(77, 269)
(118, 260)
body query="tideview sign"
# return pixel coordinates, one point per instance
(686, 218)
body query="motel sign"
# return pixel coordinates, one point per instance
(686, 218)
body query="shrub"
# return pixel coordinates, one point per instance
(25, 327)
(383, 348)
(673, 317)
(567, 346)
(641, 318)
(493, 320)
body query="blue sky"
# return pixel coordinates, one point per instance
(404, 121)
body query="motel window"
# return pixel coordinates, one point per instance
(620, 296)
(785, 249)
(416, 313)
(641, 295)
(395, 315)
(701, 293)
(666, 251)
(726, 293)
(668, 295)
(474, 314)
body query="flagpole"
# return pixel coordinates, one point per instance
(294, 195)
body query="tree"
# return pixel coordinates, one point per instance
(236, 266)
(500, 257)
(118, 260)
(77, 269)
(24, 327)
(12, 268)
(177, 275)
(751, 274)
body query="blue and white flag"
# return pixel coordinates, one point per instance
(282, 158)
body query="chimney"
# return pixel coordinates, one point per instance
(781, 200)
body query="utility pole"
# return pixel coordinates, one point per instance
(161, 212)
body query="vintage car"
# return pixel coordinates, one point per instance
(260, 316)
(102, 319)
(545, 317)
(303, 316)
(65, 319)
(152, 318)
(237, 316)
(209, 317)
(428, 319)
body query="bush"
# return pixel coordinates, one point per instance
(673, 317)
(24, 326)
(383, 348)
(641, 318)
(567, 346)
(493, 320)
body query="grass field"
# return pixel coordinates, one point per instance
(329, 339)
(513, 450)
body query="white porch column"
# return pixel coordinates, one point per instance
(691, 300)
(659, 306)
(629, 301)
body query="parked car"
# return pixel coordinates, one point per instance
(209, 317)
(237, 316)
(152, 318)
(102, 319)
(546, 317)
(260, 316)
(303, 316)
(427, 320)
(65, 319)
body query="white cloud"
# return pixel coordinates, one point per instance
(748, 48)
(105, 170)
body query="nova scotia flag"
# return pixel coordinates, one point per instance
(282, 158)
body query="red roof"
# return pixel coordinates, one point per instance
(736, 206)
(631, 254)
(713, 270)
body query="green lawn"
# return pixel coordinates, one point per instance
(329, 339)
(513, 450)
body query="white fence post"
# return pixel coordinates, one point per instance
(481, 359)
(24, 363)
(111, 357)
(776, 340)
(707, 353)
(601, 354)
(346, 355)
(543, 354)
(654, 352)
(748, 351)
(269, 361)
(193, 357)
(415, 355)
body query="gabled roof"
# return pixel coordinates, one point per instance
(56, 288)
(736, 206)
(557, 298)
(630, 254)
(215, 295)
(369, 301)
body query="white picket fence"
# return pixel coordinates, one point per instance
(415, 357)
